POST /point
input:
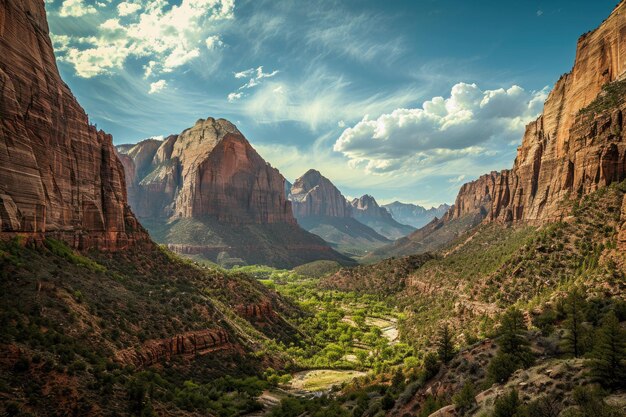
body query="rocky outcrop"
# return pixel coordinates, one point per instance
(260, 311)
(321, 209)
(59, 175)
(207, 170)
(413, 214)
(367, 211)
(187, 344)
(575, 147)
(314, 195)
(366, 206)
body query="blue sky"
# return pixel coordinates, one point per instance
(399, 99)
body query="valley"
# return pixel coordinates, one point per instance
(184, 275)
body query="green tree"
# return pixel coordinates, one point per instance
(465, 399)
(507, 405)
(513, 338)
(575, 309)
(387, 402)
(431, 365)
(445, 345)
(397, 381)
(609, 363)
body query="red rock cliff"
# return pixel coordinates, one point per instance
(565, 151)
(366, 206)
(207, 170)
(314, 195)
(59, 175)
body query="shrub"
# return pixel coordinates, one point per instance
(465, 399)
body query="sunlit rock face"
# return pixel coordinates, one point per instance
(314, 195)
(565, 151)
(209, 169)
(59, 175)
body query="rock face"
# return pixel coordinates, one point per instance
(206, 192)
(575, 147)
(59, 175)
(207, 170)
(314, 195)
(187, 344)
(414, 215)
(367, 211)
(321, 209)
(366, 206)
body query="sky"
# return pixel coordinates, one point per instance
(403, 100)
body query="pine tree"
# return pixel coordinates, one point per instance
(575, 309)
(609, 364)
(513, 339)
(445, 345)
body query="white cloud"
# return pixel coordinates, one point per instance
(319, 98)
(213, 42)
(168, 37)
(244, 74)
(257, 76)
(76, 8)
(126, 8)
(157, 86)
(442, 129)
(234, 96)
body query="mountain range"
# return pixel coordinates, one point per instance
(207, 193)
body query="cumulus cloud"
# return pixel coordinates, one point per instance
(257, 75)
(76, 8)
(126, 8)
(442, 129)
(167, 37)
(213, 42)
(157, 86)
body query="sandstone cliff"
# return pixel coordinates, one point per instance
(366, 210)
(59, 175)
(570, 150)
(314, 195)
(207, 170)
(575, 147)
(321, 209)
(206, 192)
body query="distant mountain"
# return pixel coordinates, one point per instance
(414, 215)
(207, 193)
(321, 209)
(367, 211)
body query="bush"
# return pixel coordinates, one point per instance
(465, 399)
(431, 365)
(507, 405)
(502, 367)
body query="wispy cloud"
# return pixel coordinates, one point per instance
(257, 75)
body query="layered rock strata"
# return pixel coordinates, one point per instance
(575, 147)
(59, 175)
(163, 350)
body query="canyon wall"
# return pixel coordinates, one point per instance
(366, 206)
(575, 147)
(314, 195)
(59, 175)
(207, 170)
